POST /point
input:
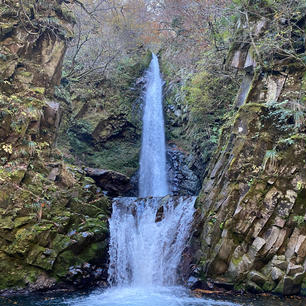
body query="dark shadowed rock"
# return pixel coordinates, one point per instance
(182, 179)
(114, 183)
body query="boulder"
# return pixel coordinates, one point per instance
(52, 114)
(294, 269)
(112, 182)
(257, 278)
(300, 248)
(256, 247)
(253, 287)
(276, 274)
(280, 262)
(292, 244)
(113, 126)
(274, 240)
(292, 284)
(275, 86)
(53, 174)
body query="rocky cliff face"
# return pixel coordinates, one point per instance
(252, 208)
(53, 219)
(102, 127)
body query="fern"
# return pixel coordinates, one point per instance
(288, 109)
(32, 147)
(287, 141)
(271, 157)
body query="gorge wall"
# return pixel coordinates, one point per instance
(252, 208)
(53, 219)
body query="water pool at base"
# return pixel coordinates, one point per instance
(146, 296)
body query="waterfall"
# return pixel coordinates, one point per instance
(152, 173)
(148, 234)
(148, 237)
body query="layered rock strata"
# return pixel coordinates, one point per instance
(252, 208)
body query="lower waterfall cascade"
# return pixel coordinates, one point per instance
(146, 246)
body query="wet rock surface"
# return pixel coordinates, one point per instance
(182, 179)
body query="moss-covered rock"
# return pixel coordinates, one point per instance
(46, 209)
(103, 128)
(38, 238)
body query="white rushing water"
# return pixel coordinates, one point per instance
(144, 252)
(152, 173)
(140, 296)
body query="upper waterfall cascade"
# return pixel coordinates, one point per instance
(152, 173)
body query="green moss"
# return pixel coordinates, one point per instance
(17, 175)
(64, 262)
(37, 258)
(118, 154)
(20, 221)
(4, 197)
(84, 209)
(253, 287)
(24, 239)
(303, 289)
(94, 225)
(39, 90)
(109, 138)
(7, 223)
(66, 14)
(268, 286)
(61, 242)
(279, 289)
(232, 163)
(92, 254)
(298, 137)
(15, 274)
(94, 251)
(26, 74)
(238, 286)
(37, 214)
(236, 261)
